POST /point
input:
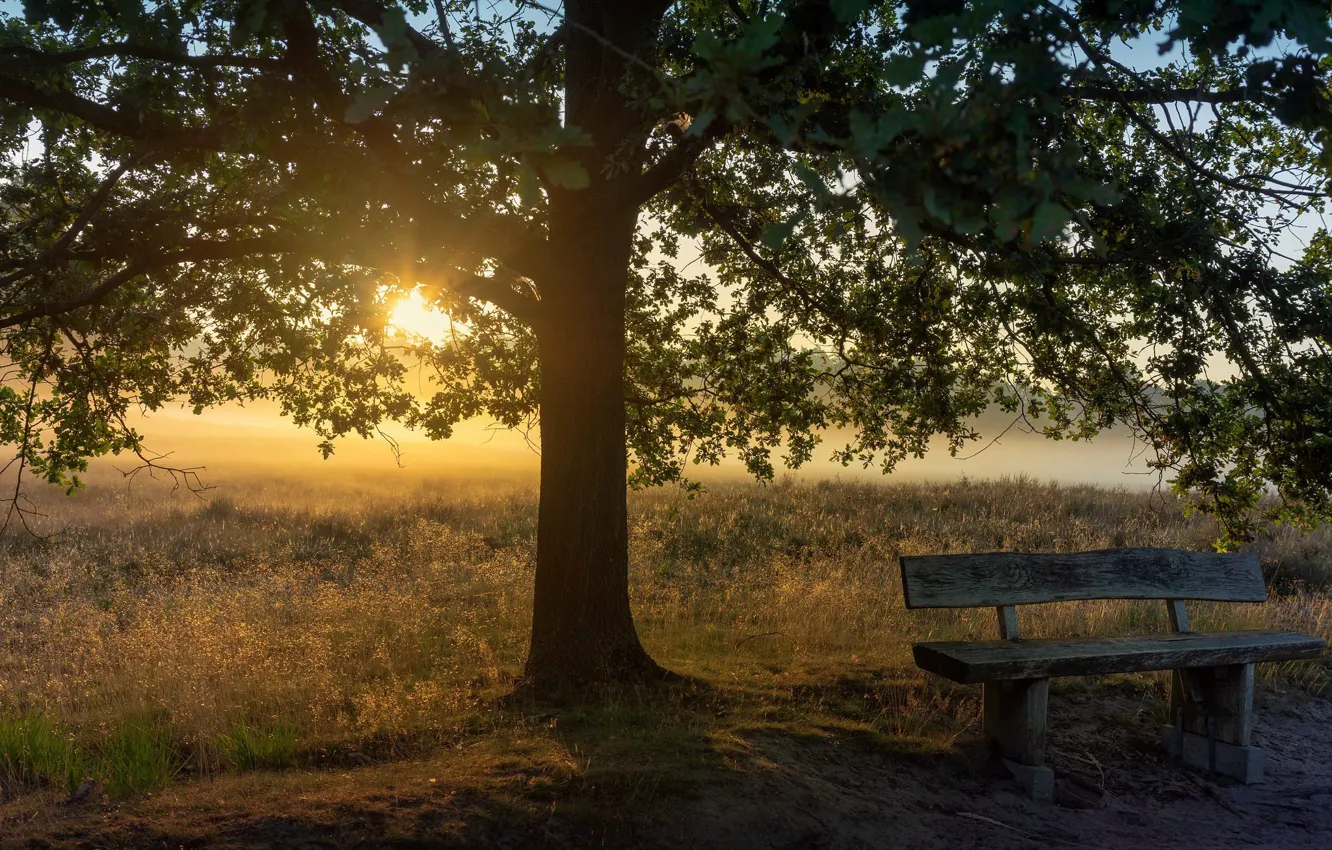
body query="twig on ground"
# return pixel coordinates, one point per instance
(1216, 795)
(1023, 832)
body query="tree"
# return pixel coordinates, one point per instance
(906, 213)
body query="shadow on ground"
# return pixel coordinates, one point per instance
(817, 766)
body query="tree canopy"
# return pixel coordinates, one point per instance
(1091, 214)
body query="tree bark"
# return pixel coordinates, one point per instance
(582, 627)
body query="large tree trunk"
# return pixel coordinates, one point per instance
(582, 628)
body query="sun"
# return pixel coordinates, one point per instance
(412, 316)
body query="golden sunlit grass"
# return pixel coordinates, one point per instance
(303, 623)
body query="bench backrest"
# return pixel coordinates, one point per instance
(1016, 578)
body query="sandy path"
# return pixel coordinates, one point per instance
(1114, 790)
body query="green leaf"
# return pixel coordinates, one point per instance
(566, 173)
(529, 188)
(1048, 221)
(1007, 230)
(367, 103)
(864, 134)
(775, 234)
(393, 30)
(701, 122)
(849, 10)
(781, 129)
(904, 70)
(256, 16)
(760, 34)
(937, 208)
(968, 222)
(813, 181)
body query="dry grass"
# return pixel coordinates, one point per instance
(313, 623)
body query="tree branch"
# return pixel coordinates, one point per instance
(670, 167)
(22, 57)
(497, 291)
(1159, 97)
(479, 236)
(494, 290)
(90, 210)
(106, 118)
(192, 252)
(1100, 59)
(731, 229)
(303, 57)
(371, 13)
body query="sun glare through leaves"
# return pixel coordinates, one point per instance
(411, 316)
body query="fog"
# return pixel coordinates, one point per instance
(232, 440)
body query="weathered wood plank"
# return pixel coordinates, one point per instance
(990, 661)
(1016, 578)
(1014, 718)
(1179, 615)
(1184, 680)
(1008, 624)
(1223, 699)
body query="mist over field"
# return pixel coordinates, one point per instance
(234, 440)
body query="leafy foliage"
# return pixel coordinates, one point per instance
(1082, 212)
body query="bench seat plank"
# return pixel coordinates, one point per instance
(991, 661)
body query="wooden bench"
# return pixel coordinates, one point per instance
(1212, 692)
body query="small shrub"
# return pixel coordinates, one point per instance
(138, 757)
(33, 752)
(220, 508)
(266, 747)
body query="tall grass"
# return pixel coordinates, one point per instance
(282, 621)
(34, 752)
(138, 756)
(267, 746)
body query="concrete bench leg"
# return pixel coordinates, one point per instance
(1015, 723)
(1212, 710)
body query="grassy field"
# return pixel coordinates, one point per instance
(308, 625)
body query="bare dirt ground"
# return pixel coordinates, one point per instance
(777, 790)
(1114, 789)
